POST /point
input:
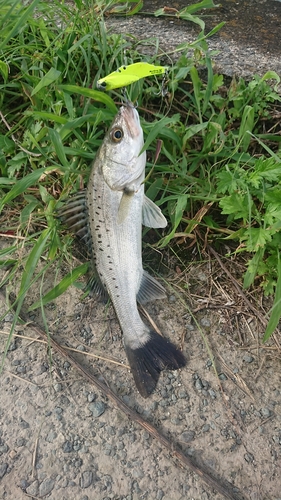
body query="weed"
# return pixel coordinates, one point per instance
(219, 165)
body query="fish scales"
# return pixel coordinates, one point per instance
(116, 209)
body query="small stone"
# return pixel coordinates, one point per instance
(86, 479)
(187, 436)
(23, 484)
(33, 489)
(20, 442)
(67, 447)
(160, 494)
(172, 299)
(24, 424)
(66, 365)
(46, 487)
(57, 387)
(81, 347)
(248, 358)
(198, 384)
(40, 369)
(13, 345)
(3, 449)
(222, 376)
(97, 408)
(205, 322)
(265, 412)
(91, 397)
(249, 457)
(3, 469)
(212, 393)
(21, 369)
(51, 436)
(206, 428)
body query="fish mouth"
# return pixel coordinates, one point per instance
(131, 118)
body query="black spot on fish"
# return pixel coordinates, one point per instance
(116, 286)
(99, 208)
(97, 214)
(101, 249)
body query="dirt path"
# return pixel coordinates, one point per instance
(62, 439)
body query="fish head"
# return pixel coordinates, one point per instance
(122, 165)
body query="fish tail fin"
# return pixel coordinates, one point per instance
(148, 360)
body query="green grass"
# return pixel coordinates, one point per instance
(219, 165)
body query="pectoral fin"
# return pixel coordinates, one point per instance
(152, 215)
(124, 206)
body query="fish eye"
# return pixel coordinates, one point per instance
(117, 134)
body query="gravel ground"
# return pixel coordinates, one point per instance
(247, 44)
(62, 439)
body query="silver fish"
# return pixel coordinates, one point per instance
(112, 225)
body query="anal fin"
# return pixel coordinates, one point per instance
(150, 289)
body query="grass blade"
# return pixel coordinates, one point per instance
(276, 309)
(61, 287)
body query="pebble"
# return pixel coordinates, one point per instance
(46, 487)
(187, 436)
(249, 457)
(248, 359)
(51, 436)
(205, 322)
(33, 489)
(81, 347)
(222, 376)
(3, 449)
(67, 447)
(206, 428)
(91, 397)
(97, 408)
(265, 412)
(212, 393)
(86, 479)
(198, 384)
(3, 469)
(58, 387)
(20, 442)
(159, 494)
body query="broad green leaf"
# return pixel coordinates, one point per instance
(50, 77)
(256, 237)
(236, 205)
(62, 286)
(252, 269)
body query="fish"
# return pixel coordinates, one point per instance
(108, 216)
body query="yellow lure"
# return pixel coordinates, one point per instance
(125, 75)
